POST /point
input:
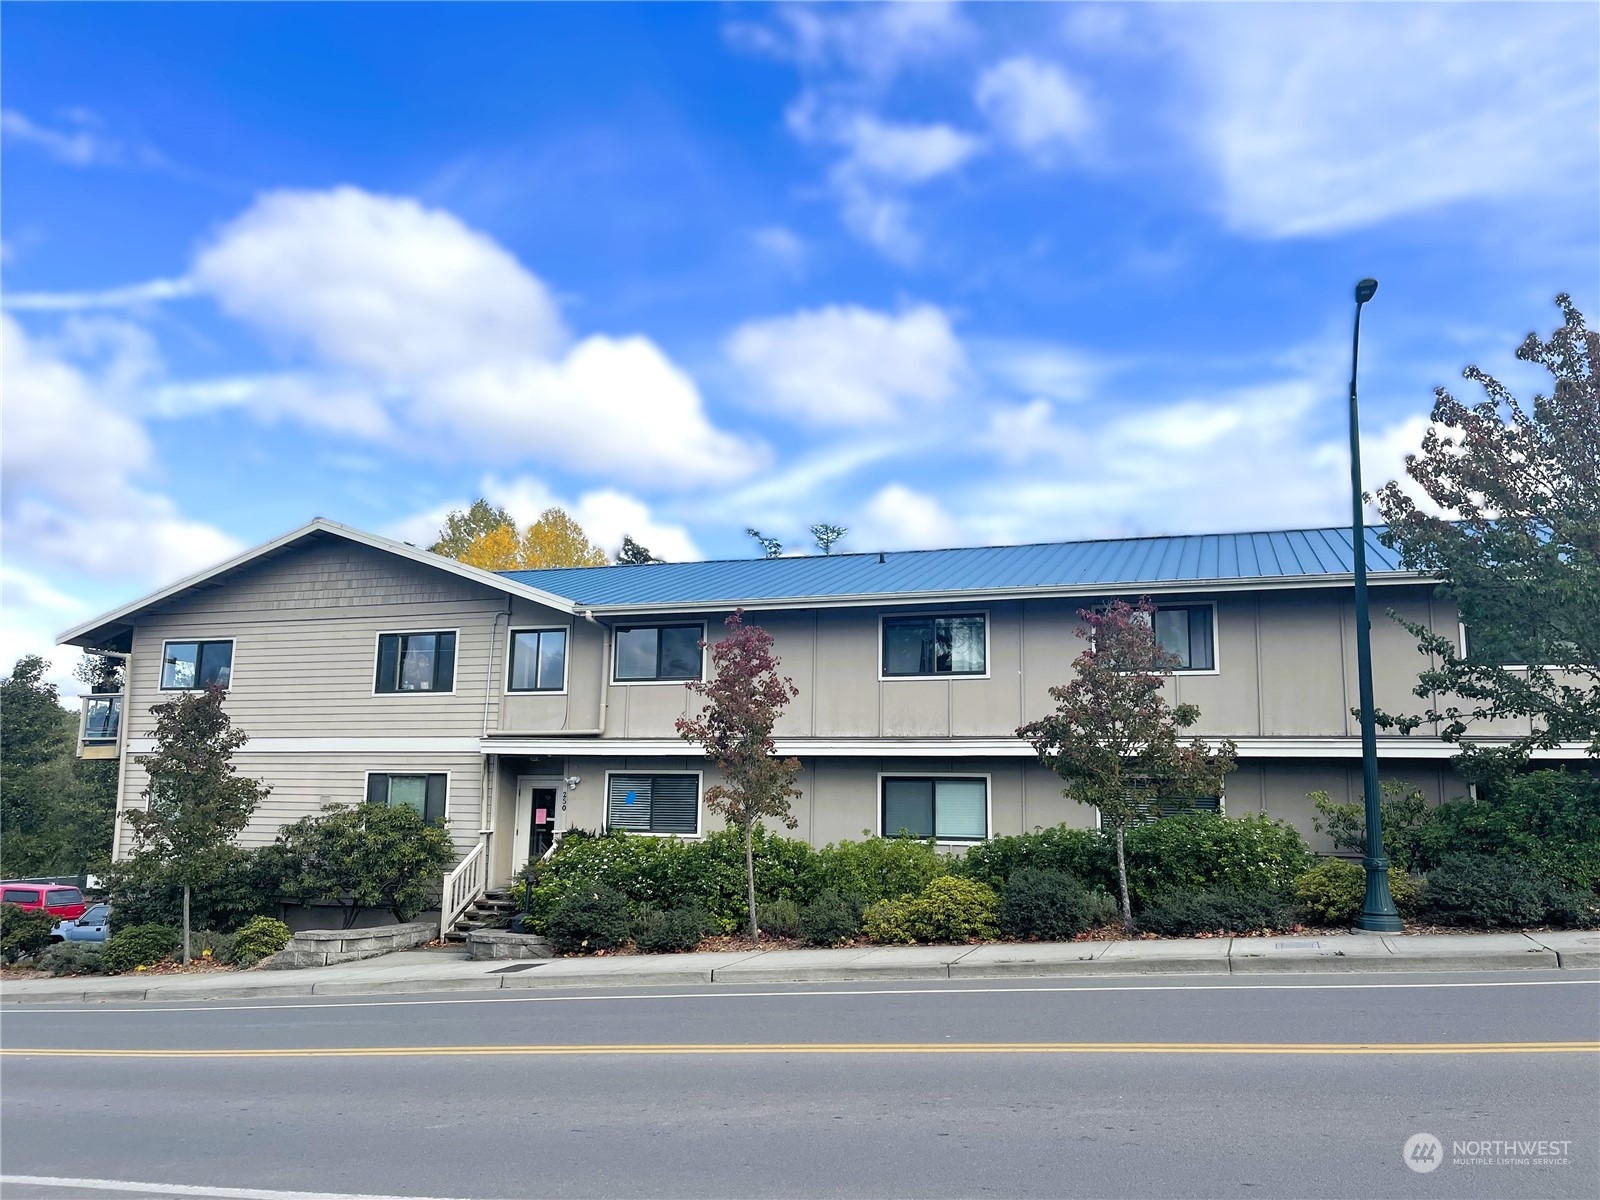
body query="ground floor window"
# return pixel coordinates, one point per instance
(425, 793)
(654, 803)
(1157, 809)
(949, 809)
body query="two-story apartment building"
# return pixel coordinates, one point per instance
(512, 705)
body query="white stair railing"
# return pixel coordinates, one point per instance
(468, 881)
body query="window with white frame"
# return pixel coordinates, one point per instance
(656, 803)
(416, 662)
(950, 809)
(647, 653)
(424, 792)
(189, 666)
(935, 645)
(538, 660)
(1186, 631)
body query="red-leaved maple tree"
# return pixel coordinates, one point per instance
(743, 700)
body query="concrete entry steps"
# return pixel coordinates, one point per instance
(449, 971)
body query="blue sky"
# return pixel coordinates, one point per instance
(942, 275)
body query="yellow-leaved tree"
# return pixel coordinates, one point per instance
(487, 537)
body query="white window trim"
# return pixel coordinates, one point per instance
(940, 677)
(704, 654)
(988, 801)
(444, 821)
(511, 647)
(377, 642)
(1461, 649)
(699, 804)
(161, 665)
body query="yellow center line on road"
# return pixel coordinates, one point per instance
(790, 1048)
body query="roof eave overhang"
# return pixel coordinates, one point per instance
(99, 630)
(1085, 591)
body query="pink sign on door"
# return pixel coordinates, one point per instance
(541, 815)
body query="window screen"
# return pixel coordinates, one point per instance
(425, 793)
(954, 810)
(538, 660)
(654, 803)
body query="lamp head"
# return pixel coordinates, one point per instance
(1365, 290)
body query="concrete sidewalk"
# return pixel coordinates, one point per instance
(451, 970)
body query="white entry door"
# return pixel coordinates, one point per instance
(537, 801)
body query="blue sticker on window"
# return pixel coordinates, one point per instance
(630, 798)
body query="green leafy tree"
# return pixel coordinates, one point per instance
(56, 810)
(462, 529)
(1114, 739)
(369, 856)
(195, 801)
(826, 535)
(1518, 552)
(770, 547)
(743, 701)
(633, 554)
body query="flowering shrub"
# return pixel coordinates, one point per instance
(950, 909)
(1201, 850)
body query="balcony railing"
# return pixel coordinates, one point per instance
(100, 725)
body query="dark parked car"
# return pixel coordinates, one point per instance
(93, 926)
(56, 899)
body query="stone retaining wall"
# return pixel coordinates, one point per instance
(500, 943)
(324, 947)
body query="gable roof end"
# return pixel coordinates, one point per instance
(99, 630)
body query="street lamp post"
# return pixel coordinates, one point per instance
(1378, 913)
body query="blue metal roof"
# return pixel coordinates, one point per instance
(1197, 559)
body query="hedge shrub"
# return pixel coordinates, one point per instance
(1334, 891)
(950, 909)
(229, 887)
(591, 919)
(879, 868)
(1549, 818)
(1216, 910)
(71, 958)
(1084, 854)
(829, 920)
(24, 932)
(138, 946)
(1209, 852)
(1051, 906)
(781, 918)
(675, 931)
(257, 938)
(1490, 892)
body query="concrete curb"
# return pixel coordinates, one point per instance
(925, 964)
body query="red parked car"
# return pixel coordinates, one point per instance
(57, 900)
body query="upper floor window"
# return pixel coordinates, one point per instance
(416, 662)
(953, 645)
(951, 810)
(1185, 630)
(652, 652)
(668, 804)
(187, 666)
(425, 793)
(538, 660)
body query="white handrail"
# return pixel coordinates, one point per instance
(468, 881)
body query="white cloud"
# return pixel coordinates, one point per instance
(429, 336)
(873, 41)
(132, 296)
(783, 246)
(881, 221)
(378, 283)
(79, 147)
(845, 365)
(901, 153)
(1323, 118)
(1035, 106)
(70, 459)
(898, 518)
(1042, 369)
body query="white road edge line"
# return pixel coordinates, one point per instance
(187, 1189)
(156, 1006)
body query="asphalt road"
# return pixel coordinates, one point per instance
(1288, 1087)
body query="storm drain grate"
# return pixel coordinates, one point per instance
(514, 967)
